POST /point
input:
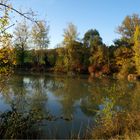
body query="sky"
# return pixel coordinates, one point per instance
(103, 15)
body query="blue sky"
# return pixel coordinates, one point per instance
(103, 15)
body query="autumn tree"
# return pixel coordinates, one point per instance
(6, 49)
(128, 26)
(123, 61)
(98, 56)
(7, 59)
(72, 48)
(123, 47)
(136, 49)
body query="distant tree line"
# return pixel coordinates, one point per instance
(27, 49)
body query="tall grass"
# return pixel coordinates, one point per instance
(116, 124)
(122, 126)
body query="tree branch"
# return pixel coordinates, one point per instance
(7, 28)
(13, 9)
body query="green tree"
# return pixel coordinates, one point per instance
(92, 39)
(59, 65)
(40, 39)
(21, 37)
(122, 42)
(40, 35)
(98, 56)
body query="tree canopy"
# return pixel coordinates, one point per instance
(128, 27)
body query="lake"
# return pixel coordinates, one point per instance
(66, 107)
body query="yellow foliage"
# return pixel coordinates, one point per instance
(137, 49)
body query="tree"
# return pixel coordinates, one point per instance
(136, 49)
(40, 35)
(70, 53)
(21, 41)
(70, 34)
(59, 65)
(40, 39)
(123, 61)
(128, 26)
(98, 52)
(72, 48)
(122, 42)
(97, 58)
(6, 48)
(7, 59)
(92, 39)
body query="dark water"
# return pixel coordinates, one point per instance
(65, 107)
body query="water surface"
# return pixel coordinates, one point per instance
(66, 106)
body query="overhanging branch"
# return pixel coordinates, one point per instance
(22, 14)
(7, 28)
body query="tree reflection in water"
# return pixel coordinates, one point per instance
(31, 99)
(27, 101)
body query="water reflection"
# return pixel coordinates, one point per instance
(73, 102)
